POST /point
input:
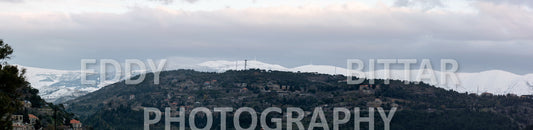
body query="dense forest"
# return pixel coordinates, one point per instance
(420, 106)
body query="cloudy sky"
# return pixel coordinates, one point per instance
(480, 35)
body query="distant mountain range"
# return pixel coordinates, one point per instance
(492, 81)
(62, 85)
(59, 85)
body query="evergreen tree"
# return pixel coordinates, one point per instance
(11, 82)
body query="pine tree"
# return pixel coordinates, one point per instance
(11, 81)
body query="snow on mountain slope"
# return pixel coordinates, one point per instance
(58, 85)
(492, 81)
(498, 82)
(39, 77)
(529, 78)
(222, 65)
(325, 69)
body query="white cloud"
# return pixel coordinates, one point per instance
(329, 33)
(424, 4)
(14, 1)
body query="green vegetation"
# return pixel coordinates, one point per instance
(420, 106)
(17, 97)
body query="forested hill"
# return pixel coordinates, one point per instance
(420, 106)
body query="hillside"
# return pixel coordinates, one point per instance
(420, 106)
(47, 115)
(23, 108)
(58, 86)
(492, 81)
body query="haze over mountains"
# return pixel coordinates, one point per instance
(62, 85)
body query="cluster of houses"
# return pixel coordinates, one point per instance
(19, 122)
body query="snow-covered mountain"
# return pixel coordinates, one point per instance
(223, 65)
(62, 85)
(492, 81)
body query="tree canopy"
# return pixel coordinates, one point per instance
(11, 82)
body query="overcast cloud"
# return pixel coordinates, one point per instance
(496, 35)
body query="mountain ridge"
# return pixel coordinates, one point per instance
(62, 85)
(417, 104)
